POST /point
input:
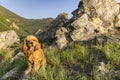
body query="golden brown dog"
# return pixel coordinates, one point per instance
(34, 54)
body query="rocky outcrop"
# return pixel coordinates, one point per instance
(8, 38)
(106, 10)
(92, 18)
(117, 22)
(13, 25)
(56, 24)
(55, 31)
(61, 37)
(79, 11)
(96, 17)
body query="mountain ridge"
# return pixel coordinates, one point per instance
(10, 20)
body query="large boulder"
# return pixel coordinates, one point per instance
(85, 29)
(8, 38)
(107, 10)
(94, 17)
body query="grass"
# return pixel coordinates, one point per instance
(76, 62)
(26, 26)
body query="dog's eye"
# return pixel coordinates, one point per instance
(27, 41)
(34, 40)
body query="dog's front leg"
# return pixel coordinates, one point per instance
(35, 68)
(27, 72)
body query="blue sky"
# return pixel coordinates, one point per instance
(40, 8)
(37, 9)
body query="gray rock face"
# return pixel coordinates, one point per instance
(10, 73)
(8, 38)
(117, 22)
(79, 11)
(98, 17)
(85, 29)
(105, 9)
(91, 19)
(114, 38)
(55, 32)
(61, 36)
(56, 24)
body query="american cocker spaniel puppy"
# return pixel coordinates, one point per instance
(35, 56)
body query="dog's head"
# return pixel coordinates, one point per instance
(30, 43)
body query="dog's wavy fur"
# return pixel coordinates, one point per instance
(34, 53)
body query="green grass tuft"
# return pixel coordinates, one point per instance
(73, 63)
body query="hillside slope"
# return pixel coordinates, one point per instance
(9, 20)
(89, 45)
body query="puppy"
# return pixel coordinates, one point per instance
(34, 53)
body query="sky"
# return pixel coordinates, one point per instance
(38, 9)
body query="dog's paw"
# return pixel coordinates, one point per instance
(25, 77)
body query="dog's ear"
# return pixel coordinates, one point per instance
(35, 39)
(37, 46)
(24, 46)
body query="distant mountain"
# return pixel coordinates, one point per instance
(33, 25)
(23, 26)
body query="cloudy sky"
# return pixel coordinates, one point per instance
(38, 9)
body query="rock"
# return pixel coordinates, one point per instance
(96, 18)
(102, 69)
(7, 20)
(18, 55)
(50, 33)
(117, 22)
(61, 37)
(105, 9)
(102, 39)
(38, 32)
(13, 25)
(78, 12)
(114, 38)
(56, 24)
(85, 29)
(92, 18)
(9, 74)
(8, 38)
